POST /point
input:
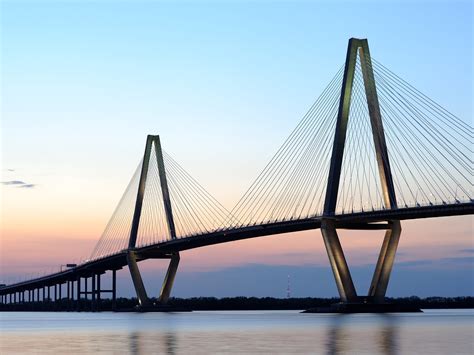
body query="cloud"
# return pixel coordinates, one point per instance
(467, 251)
(19, 184)
(27, 186)
(13, 182)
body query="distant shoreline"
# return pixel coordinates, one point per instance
(244, 303)
(270, 303)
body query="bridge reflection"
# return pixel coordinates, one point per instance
(383, 340)
(339, 335)
(142, 343)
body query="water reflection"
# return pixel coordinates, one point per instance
(434, 332)
(340, 338)
(140, 343)
(170, 342)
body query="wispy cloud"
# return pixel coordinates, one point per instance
(19, 184)
(467, 251)
(27, 186)
(13, 182)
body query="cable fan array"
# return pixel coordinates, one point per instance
(429, 151)
(293, 184)
(194, 210)
(117, 232)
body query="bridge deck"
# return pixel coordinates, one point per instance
(359, 220)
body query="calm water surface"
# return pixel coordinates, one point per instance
(264, 332)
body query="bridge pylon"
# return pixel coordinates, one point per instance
(152, 142)
(329, 224)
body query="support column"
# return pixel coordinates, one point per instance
(98, 293)
(114, 290)
(383, 269)
(169, 279)
(143, 299)
(338, 262)
(71, 296)
(86, 296)
(78, 294)
(93, 291)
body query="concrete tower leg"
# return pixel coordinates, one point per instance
(338, 262)
(169, 279)
(383, 269)
(143, 299)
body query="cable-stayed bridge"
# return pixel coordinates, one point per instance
(370, 152)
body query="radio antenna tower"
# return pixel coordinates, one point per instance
(288, 289)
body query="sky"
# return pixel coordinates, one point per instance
(223, 84)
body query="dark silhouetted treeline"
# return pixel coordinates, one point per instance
(232, 303)
(270, 303)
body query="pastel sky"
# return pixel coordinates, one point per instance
(223, 83)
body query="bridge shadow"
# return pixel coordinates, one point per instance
(383, 341)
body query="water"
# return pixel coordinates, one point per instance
(283, 332)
